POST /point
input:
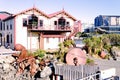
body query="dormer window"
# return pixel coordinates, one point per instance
(61, 22)
(33, 21)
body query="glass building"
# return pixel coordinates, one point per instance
(108, 23)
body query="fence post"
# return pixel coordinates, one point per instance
(82, 71)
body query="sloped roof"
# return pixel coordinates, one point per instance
(32, 9)
(61, 12)
(24, 12)
(42, 13)
(4, 14)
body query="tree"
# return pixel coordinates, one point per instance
(94, 45)
(88, 44)
(63, 48)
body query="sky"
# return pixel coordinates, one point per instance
(84, 10)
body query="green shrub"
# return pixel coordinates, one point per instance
(89, 61)
(40, 53)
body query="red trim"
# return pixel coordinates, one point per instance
(32, 9)
(61, 12)
(14, 31)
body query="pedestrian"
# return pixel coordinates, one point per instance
(75, 61)
(44, 71)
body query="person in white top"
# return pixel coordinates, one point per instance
(45, 71)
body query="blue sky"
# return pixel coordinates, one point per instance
(84, 10)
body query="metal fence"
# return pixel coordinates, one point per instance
(92, 77)
(69, 72)
(95, 77)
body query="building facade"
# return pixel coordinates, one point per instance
(109, 23)
(36, 30)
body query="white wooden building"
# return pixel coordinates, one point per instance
(36, 30)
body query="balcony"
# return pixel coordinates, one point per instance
(49, 28)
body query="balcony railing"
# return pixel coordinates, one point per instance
(49, 28)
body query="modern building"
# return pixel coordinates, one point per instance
(36, 30)
(87, 27)
(109, 23)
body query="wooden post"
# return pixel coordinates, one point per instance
(41, 46)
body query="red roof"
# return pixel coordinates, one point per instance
(4, 15)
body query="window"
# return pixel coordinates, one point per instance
(117, 21)
(113, 21)
(10, 26)
(55, 22)
(61, 22)
(0, 39)
(3, 26)
(68, 24)
(7, 27)
(24, 22)
(7, 38)
(41, 23)
(11, 38)
(0, 25)
(33, 20)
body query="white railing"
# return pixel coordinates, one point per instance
(97, 76)
(92, 77)
(69, 72)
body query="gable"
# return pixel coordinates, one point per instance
(33, 11)
(62, 13)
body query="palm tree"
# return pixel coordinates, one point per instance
(97, 44)
(88, 45)
(63, 48)
(94, 45)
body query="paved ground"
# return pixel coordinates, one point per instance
(106, 64)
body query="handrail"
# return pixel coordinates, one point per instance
(50, 28)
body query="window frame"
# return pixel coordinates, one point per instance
(25, 22)
(41, 22)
